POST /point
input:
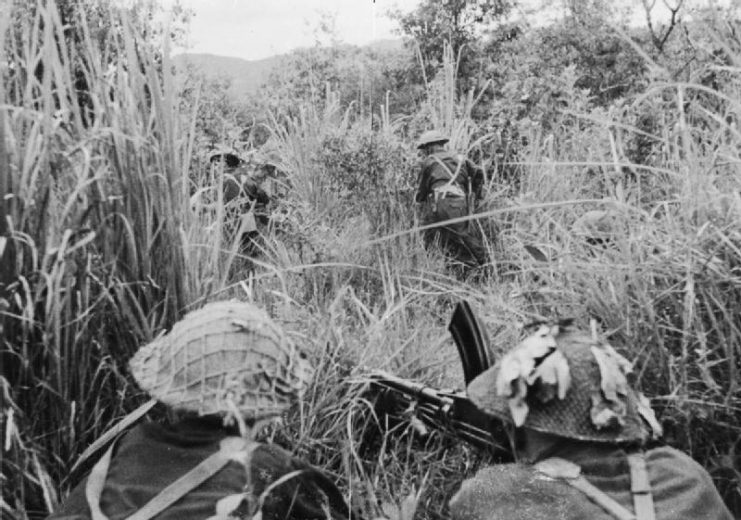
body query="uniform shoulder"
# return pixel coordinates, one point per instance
(682, 488)
(670, 459)
(514, 491)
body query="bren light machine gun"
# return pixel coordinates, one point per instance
(450, 412)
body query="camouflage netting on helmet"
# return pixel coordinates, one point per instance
(226, 357)
(566, 383)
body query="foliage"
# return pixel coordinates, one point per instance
(220, 119)
(108, 240)
(94, 258)
(433, 25)
(361, 77)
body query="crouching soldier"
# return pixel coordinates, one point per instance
(580, 434)
(449, 186)
(220, 370)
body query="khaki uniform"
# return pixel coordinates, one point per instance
(251, 204)
(681, 489)
(151, 456)
(448, 187)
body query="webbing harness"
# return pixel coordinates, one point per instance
(231, 448)
(640, 486)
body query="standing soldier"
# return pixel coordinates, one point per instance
(449, 187)
(580, 434)
(244, 195)
(220, 371)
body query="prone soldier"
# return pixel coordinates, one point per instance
(221, 371)
(581, 436)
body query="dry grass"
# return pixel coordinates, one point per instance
(110, 242)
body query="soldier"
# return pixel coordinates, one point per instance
(581, 435)
(221, 370)
(245, 196)
(449, 186)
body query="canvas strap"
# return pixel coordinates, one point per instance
(229, 449)
(640, 487)
(570, 473)
(453, 175)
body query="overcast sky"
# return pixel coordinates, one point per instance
(254, 29)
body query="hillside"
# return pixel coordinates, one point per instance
(248, 75)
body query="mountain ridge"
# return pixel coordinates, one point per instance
(248, 75)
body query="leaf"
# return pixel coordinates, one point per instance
(521, 362)
(517, 405)
(538, 344)
(603, 413)
(563, 374)
(508, 373)
(552, 377)
(625, 366)
(644, 409)
(519, 410)
(612, 378)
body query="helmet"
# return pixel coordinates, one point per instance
(226, 356)
(230, 157)
(431, 137)
(567, 383)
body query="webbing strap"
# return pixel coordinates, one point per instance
(601, 498)
(453, 175)
(640, 487)
(567, 471)
(172, 493)
(95, 483)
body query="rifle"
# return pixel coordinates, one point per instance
(451, 412)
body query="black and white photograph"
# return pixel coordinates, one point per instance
(370, 259)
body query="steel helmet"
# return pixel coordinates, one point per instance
(226, 356)
(431, 137)
(230, 157)
(567, 383)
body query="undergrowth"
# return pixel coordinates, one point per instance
(106, 241)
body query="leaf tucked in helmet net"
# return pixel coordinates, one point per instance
(647, 413)
(609, 406)
(606, 415)
(551, 377)
(534, 363)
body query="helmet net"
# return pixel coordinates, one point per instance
(224, 356)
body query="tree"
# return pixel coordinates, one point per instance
(457, 22)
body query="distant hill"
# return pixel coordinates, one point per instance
(248, 75)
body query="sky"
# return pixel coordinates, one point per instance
(256, 29)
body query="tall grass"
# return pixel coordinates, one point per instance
(110, 241)
(96, 204)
